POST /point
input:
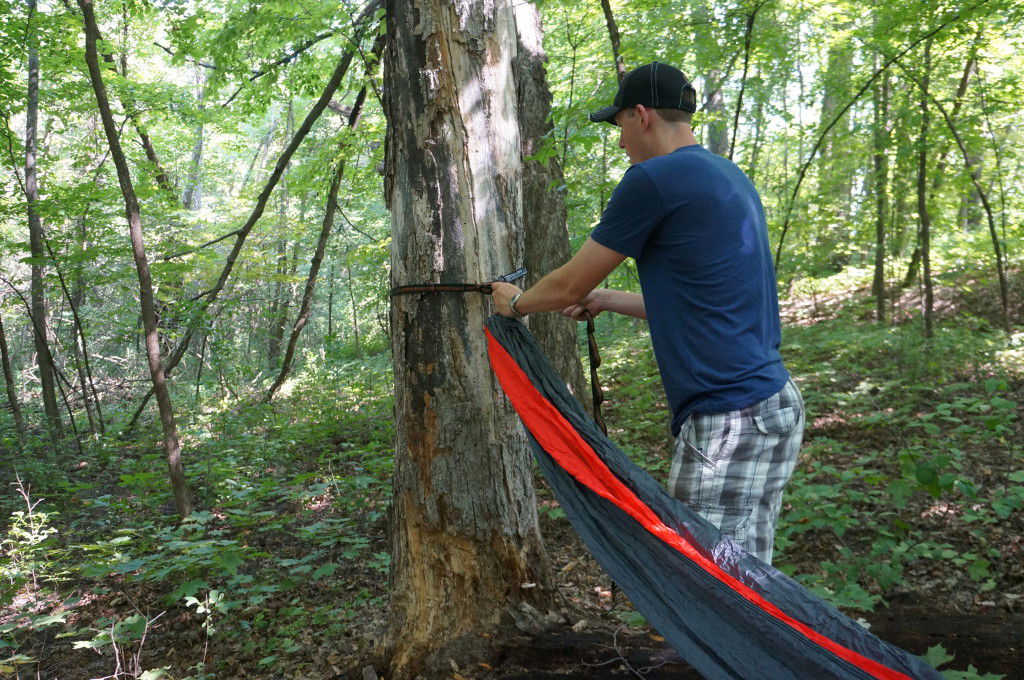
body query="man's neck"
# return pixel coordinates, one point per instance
(674, 137)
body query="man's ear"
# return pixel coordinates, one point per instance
(645, 116)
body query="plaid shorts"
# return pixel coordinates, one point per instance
(731, 467)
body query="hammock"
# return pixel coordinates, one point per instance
(727, 613)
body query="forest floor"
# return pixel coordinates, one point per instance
(906, 511)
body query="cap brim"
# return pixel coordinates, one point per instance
(605, 115)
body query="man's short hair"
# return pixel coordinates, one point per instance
(675, 115)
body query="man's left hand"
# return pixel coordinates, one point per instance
(502, 292)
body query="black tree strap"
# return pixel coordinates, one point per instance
(484, 288)
(595, 384)
(595, 356)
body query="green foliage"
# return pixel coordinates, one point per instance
(937, 656)
(29, 548)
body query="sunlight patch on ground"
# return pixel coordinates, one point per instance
(941, 509)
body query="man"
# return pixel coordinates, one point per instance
(696, 228)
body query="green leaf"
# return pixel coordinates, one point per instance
(43, 621)
(325, 570)
(979, 569)
(937, 656)
(1003, 404)
(187, 589)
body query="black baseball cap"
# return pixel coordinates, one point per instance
(656, 85)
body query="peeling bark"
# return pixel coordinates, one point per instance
(464, 523)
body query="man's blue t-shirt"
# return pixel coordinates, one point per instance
(696, 228)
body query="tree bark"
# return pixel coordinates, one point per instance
(35, 231)
(880, 158)
(613, 37)
(544, 212)
(353, 305)
(171, 445)
(922, 198)
(12, 391)
(465, 541)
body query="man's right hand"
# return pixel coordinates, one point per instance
(588, 307)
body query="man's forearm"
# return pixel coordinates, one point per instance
(553, 292)
(621, 302)
(565, 286)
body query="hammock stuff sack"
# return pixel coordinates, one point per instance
(727, 613)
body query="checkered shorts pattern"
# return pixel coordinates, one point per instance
(731, 467)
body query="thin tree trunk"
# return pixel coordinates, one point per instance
(278, 313)
(314, 270)
(613, 37)
(975, 176)
(58, 376)
(81, 345)
(35, 230)
(259, 158)
(880, 159)
(747, 38)
(544, 212)
(922, 198)
(464, 530)
(192, 199)
(716, 135)
(354, 306)
(12, 391)
(171, 444)
(330, 302)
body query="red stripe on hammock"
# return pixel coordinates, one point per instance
(563, 443)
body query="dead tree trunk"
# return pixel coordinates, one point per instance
(544, 214)
(465, 544)
(35, 232)
(131, 204)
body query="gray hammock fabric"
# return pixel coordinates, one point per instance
(725, 612)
